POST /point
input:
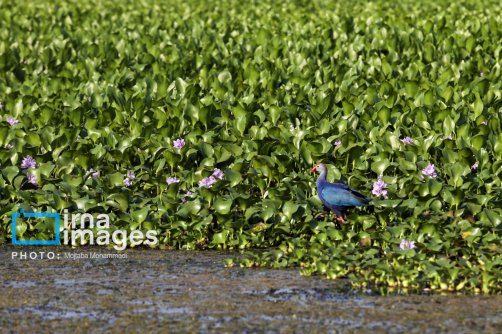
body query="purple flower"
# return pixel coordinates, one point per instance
(32, 179)
(379, 188)
(430, 170)
(187, 194)
(207, 182)
(217, 173)
(94, 174)
(338, 143)
(407, 140)
(450, 137)
(127, 182)
(475, 166)
(407, 244)
(10, 146)
(12, 121)
(179, 143)
(28, 162)
(171, 180)
(131, 176)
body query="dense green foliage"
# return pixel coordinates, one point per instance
(263, 91)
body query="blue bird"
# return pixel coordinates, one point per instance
(337, 197)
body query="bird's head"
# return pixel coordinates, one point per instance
(320, 166)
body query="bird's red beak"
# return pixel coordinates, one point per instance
(314, 169)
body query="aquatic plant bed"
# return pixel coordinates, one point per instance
(199, 120)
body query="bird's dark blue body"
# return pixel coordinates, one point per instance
(337, 197)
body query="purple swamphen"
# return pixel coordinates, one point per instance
(337, 197)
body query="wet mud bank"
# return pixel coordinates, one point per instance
(89, 289)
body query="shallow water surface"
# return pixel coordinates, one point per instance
(174, 291)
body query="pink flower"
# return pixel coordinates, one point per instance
(430, 171)
(338, 143)
(12, 121)
(94, 174)
(28, 162)
(187, 194)
(379, 188)
(218, 173)
(407, 244)
(207, 182)
(179, 143)
(475, 166)
(32, 179)
(407, 140)
(170, 180)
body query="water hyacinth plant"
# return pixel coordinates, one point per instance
(187, 194)
(218, 174)
(238, 107)
(172, 179)
(12, 121)
(32, 179)
(207, 182)
(404, 245)
(379, 188)
(407, 140)
(94, 174)
(430, 171)
(179, 143)
(28, 162)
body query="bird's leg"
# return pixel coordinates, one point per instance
(340, 219)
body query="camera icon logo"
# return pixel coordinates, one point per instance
(21, 213)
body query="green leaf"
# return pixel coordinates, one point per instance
(411, 88)
(33, 139)
(181, 86)
(234, 177)
(21, 228)
(220, 238)
(448, 126)
(10, 172)
(380, 166)
(119, 201)
(140, 216)
(478, 107)
(289, 208)
(222, 206)
(116, 179)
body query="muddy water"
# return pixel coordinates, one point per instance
(166, 291)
